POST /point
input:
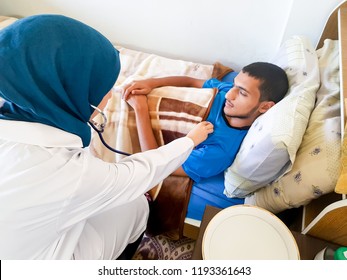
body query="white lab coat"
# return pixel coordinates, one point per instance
(57, 201)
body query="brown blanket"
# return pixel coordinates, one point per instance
(173, 110)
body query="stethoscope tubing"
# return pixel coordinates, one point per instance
(104, 142)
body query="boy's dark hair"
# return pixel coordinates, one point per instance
(274, 80)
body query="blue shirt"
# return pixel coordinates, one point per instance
(208, 161)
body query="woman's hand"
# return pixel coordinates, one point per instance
(200, 132)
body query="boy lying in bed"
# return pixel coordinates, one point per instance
(255, 90)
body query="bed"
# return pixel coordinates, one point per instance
(291, 156)
(294, 156)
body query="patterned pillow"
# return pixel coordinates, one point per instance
(270, 147)
(316, 168)
(341, 185)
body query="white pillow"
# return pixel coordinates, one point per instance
(269, 148)
(317, 165)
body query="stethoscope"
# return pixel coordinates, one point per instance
(100, 128)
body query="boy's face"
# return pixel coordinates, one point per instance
(242, 101)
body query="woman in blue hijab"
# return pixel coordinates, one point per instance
(58, 201)
(52, 70)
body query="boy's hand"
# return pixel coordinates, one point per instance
(200, 132)
(137, 102)
(137, 87)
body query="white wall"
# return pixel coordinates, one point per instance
(234, 32)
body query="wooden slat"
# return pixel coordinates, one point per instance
(330, 30)
(317, 205)
(332, 226)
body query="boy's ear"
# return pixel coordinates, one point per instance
(265, 105)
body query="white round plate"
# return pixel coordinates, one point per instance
(245, 232)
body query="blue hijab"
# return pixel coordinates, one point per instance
(51, 69)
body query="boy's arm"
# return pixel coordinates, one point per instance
(146, 135)
(146, 86)
(143, 122)
(144, 126)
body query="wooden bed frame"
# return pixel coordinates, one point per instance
(326, 217)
